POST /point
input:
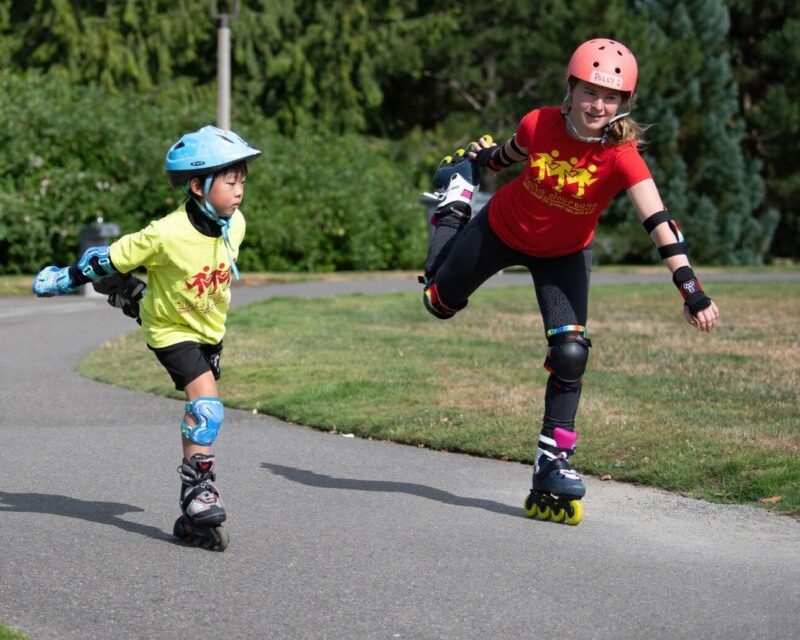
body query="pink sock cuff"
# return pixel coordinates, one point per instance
(565, 439)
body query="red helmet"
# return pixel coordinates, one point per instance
(605, 62)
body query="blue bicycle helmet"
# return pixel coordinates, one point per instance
(208, 150)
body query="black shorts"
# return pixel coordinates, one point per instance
(185, 361)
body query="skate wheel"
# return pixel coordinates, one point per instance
(544, 513)
(574, 512)
(222, 538)
(179, 530)
(558, 514)
(530, 506)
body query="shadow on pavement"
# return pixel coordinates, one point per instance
(312, 479)
(100, 512)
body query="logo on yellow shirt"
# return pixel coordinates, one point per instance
(209, 280)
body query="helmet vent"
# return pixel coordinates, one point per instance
(179, 145)
(225, 138)
(617, 70)
(595, 64)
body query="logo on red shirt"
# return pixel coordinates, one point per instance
(547, 165)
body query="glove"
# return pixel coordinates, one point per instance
(124, 292)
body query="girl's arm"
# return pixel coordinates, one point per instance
(699, 310)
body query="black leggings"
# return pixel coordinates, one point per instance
(562, 289)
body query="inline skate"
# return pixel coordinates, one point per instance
(556, 489)
(200, 524)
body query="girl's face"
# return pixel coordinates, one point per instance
(226, 192)
(592, 107)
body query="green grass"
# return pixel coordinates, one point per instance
(713, 416)
(7, 633)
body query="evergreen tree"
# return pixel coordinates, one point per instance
(434, 74)
(126, 43)
(765, 39)
(695, 150)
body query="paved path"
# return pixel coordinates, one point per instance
(336, 537)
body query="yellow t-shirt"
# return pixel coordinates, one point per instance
(188, 278)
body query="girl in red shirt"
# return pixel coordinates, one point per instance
(577, 158)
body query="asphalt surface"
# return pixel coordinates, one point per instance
(335, 537)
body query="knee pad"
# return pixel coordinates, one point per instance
(568, 352)
(209, 413)
(433, 303)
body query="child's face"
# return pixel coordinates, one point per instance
(593, 106)
(226, 192)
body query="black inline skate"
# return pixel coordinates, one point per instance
(203, 513)
(456, 182)
(557, 488)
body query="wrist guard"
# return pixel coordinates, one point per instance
(692, 291)
(95, 264)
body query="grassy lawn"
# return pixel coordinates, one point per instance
(6, 633)
(713, 416)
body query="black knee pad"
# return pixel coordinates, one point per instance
(567, 355)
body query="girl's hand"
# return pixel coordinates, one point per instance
(484, 142)
(705, 320)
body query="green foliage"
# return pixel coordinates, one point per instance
(695, 151)
(70, 154)
(765, 38)
(324, 202)
(433, 75)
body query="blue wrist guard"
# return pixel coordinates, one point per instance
(95, 263)
(53, 281)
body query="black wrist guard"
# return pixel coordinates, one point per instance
(692, 291)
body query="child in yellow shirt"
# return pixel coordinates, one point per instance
(190, 257)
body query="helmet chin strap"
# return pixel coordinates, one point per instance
(224, 223)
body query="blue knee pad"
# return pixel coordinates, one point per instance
(209, 413)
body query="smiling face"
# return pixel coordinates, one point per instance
(226, 191)
(593, 107)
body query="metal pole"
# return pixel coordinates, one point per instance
(224, 74)
(224, 60)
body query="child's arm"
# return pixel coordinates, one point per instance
(95, 264)
(124, 292)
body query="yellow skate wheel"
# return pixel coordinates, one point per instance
(530, 507)
(577, 513)
(544, 513)
(488, 139)
(559, 513)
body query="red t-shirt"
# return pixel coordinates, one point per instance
(552, 207)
